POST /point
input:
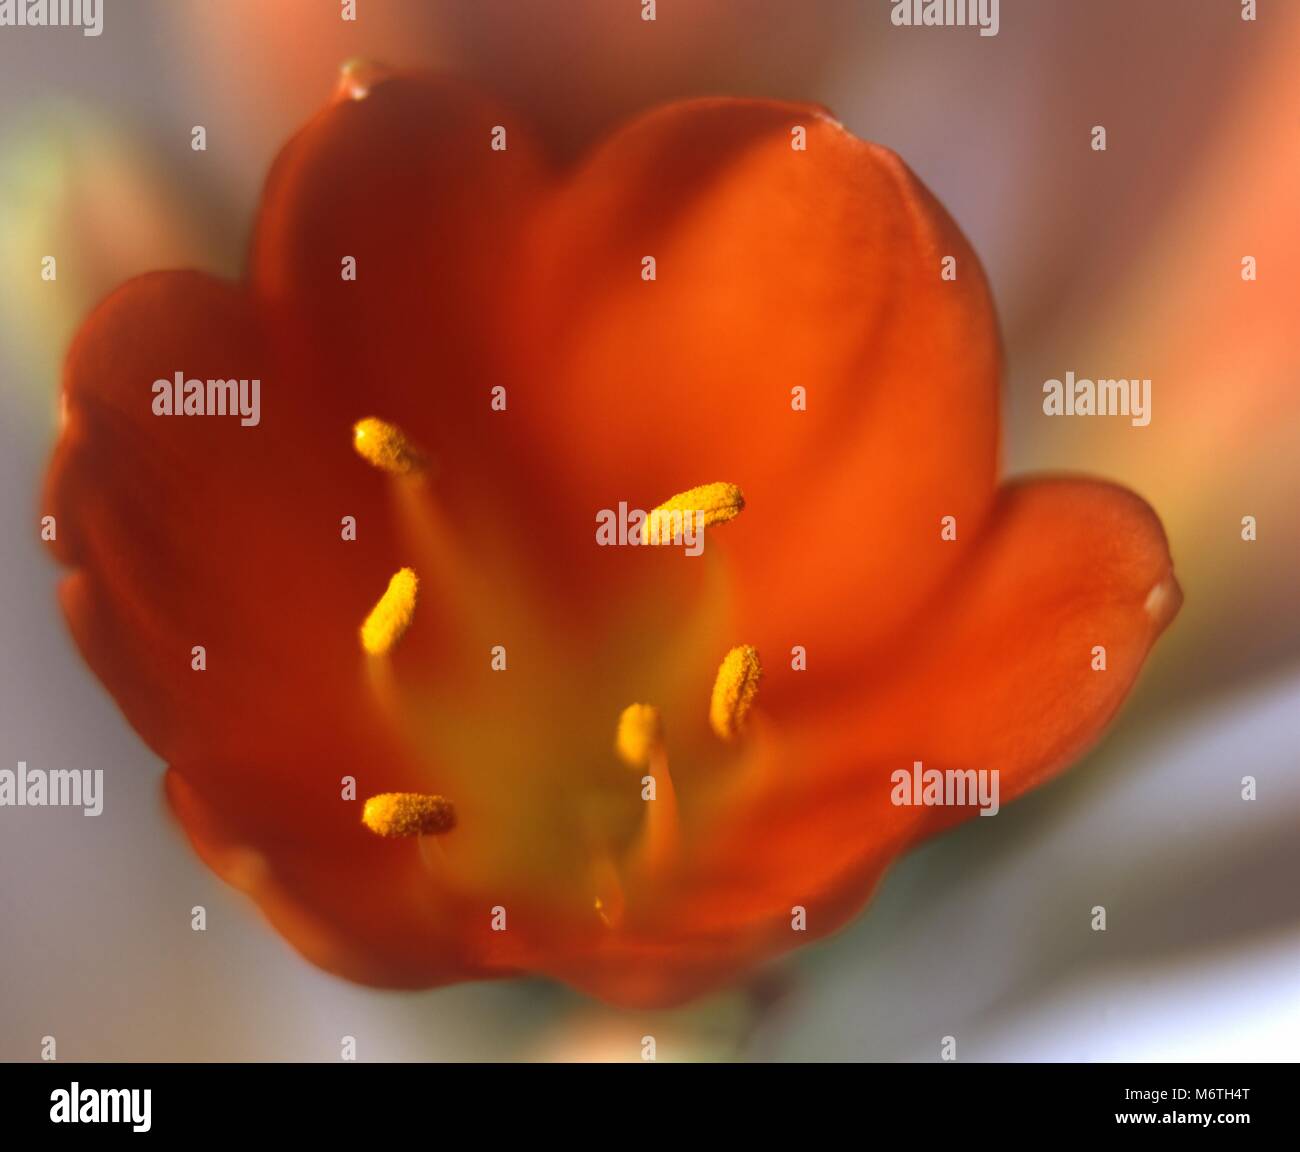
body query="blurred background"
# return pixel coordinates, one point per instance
(1123, 263)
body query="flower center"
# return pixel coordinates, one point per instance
(540, 802)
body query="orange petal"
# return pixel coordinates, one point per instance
(198, 531)
(1000, 677)
(775, 268)
(405, 182)
(358, 906)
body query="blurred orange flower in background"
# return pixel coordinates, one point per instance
(493, 677)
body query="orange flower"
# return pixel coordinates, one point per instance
(502, 689)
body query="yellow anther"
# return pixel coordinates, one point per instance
(640, 734)
(386, 447)
(640, 744)
(400, 814)
(734, 691)
(391, 617)
(705, 505)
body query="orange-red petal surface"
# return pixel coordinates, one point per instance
(775, 268)
(999, 676)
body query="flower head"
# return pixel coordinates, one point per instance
(425, 681)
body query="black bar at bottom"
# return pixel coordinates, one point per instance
(381, 1103)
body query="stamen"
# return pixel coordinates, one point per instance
(707, 504)
(391, 617)
(640, 733)
(386, 447)
(396, 815)
(608, 902)
(734, 691)
(640, 744)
